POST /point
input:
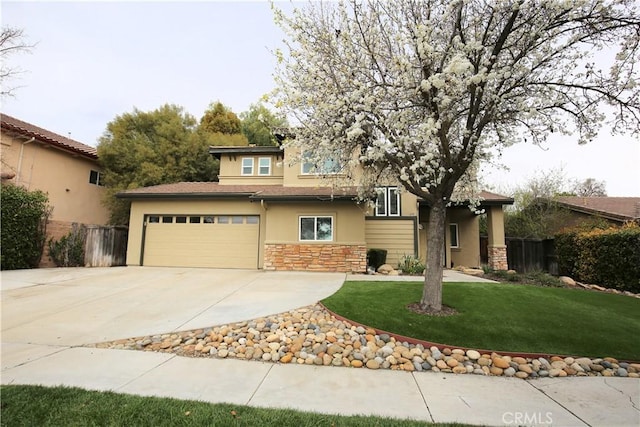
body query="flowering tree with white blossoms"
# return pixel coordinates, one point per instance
(421, 90)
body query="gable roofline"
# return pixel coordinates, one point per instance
(12, 125)
(613, 208)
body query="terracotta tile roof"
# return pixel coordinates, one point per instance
(11, 124)
(620, 208)
(215, 190)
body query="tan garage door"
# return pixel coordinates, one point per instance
(217, 241)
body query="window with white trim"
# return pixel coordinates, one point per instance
(453, 232)
(247, 166)
(326, 167)
(387, 201)
(264, 166)
(316, 228)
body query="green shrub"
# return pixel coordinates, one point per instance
(376, 257)
(566, 250)
(69, 250)
(609, 258)
(24, 222)
(411, 265)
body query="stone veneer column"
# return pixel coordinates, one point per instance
(497, 247)
(498, 257)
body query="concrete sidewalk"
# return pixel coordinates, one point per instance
(47, 315)
(432, 397)
(447, 276)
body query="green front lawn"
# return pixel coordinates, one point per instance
(64, 406)
(501, 317)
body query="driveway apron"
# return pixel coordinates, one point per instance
(71, 307)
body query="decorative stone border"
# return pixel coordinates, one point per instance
(313, 335)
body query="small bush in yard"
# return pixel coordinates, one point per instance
(69, 250)
(409, 264)
(541, 278)
(24, 222)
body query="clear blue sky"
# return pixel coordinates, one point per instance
(96, 60)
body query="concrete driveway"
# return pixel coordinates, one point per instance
(76, 306)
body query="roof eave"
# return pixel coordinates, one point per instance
(218, 152)
(483, 203)
(9, 127)
(596, 212)
(303, 198)
(182, 195)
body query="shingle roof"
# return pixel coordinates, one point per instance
(488, 197)
(619, 208)
(215, 190)
(261, 192)
(11, 124)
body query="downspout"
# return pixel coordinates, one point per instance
(20, 159)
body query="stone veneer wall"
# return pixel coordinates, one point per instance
(55, 230)
(498, 257)
(315, 257)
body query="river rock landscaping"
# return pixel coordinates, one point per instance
(313, 336)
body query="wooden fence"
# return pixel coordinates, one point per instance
(105, 246)
(525, 255)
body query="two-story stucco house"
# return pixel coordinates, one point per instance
(270, 211)
(66, 170)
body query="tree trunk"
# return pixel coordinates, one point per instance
(432, 291)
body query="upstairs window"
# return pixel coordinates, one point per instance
(388, 201)
(264, 166)
(95, 178)
(326, 167)
(247, 166)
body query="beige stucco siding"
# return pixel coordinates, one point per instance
(396, 236)
(468, 252)
(140, 208)
(62, 175)
(283, 221)
(231, 170)
(293, 176)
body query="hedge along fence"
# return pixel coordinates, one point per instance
(24, 217)
(609, 257)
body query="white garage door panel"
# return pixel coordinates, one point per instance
(201, 245)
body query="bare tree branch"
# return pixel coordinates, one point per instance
(12, 42)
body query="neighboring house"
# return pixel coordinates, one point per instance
(615, 210)
(66, 170)
(270, 211)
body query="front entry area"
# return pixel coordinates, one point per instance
(201, 240)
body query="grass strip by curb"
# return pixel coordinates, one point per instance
(24, 405)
